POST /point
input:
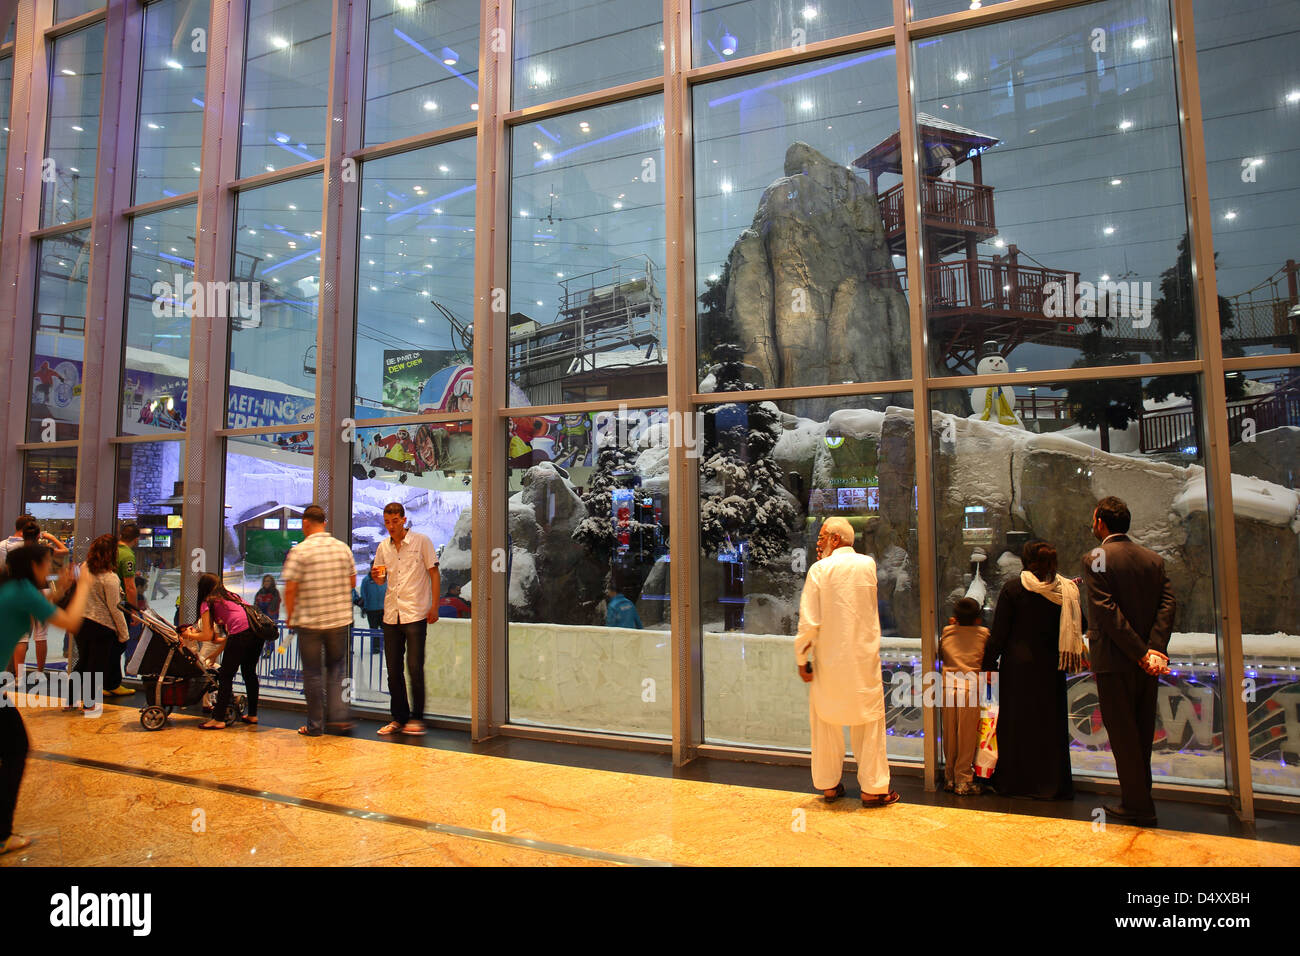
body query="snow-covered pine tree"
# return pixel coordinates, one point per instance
(599, 532)
(742, 495)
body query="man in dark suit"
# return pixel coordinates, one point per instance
(1131, 613)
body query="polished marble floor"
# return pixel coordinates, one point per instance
(106, 792)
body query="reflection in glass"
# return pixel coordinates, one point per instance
(50, 491)
(421, 67)
(170, 127)
(1250, 97)
(426, 468)
(571, 47)
(151, 492)
(276, 271)
(728, 30)
(770, 474)
(1263, 427)
(587, 566)
(60, 337)
(286, 83)
(6, 91)
(587, 255)
(155, 383)
(792, 260)
(999, 485)
(1052, 199)
(67, 9)
(76, 75)
(415, 276)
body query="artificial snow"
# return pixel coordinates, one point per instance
(1251, 498)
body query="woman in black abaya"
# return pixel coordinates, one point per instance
(1033, 649)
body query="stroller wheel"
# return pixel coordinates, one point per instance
(152, 718)
(235, 711)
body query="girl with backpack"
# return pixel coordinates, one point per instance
(225, 621)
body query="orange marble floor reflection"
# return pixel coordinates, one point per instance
(578, 815)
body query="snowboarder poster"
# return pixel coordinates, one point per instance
(408, 373)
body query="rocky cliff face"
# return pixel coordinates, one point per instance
(812, 291)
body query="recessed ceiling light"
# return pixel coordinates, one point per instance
(1108, 231)
(809, 13)
(66, 72)
(1293, 96)
(961, 76)
(173, 64)
(1230, 215)
(279, 43)
(1116, 181)
(1126, 124)
(1140, 43)
(430, 105)
(443, 169)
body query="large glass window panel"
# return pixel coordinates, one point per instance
(576, 46)
(421, 67)
(998, 486)
(76, 75)
(425, 468)
(6, 93)
(1053, 213)
(924, 9)
(170, 128)
(587, 572)
(50, 496)
(286, 84)
(155, 383)
(1250, 97)
(770, 474)
(1263, 433)
(792, 260)
(67, 9)
(587, 255)
(276, 276)
(729, 29)
(54, 410)
(415, 279)
(151, 492)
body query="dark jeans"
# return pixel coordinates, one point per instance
(113, 665)
(1128, 709)
(405, 640)
(376, 619)
(13, 757)
(323, 687)
(241, 654)
(97, 648)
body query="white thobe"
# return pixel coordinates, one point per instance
(839, 628)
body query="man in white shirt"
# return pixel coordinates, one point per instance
(319, 576)
(839, 628)
(407, 562)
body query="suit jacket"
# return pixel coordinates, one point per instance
(1130, 606)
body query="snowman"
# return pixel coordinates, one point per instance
(997, 403)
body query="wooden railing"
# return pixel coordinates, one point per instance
(991, 285)
(963, 205)
(1162, 431)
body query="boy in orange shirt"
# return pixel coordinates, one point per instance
(961, 649)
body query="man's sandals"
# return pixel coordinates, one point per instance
(881, 799)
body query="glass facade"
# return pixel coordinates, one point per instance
(545, 312)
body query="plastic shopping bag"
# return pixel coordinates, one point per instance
(986, 754)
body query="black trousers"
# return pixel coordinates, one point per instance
(375, 619)
(97, 648)
(241, 654)
(405, 640)
(13, 758)
(1128, 709)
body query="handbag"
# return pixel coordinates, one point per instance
(259, 625)
(986, 752)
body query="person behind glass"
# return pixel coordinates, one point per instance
(961, 649)
(33, 535)
(104, 631)
(1131, 605)
(453, 604)
(839, 623)
(371, 598)
(319, 574)
(1037, 639)
(23, 574)
(267, 600)
(224, 622)
(408, 564)
(619, 609)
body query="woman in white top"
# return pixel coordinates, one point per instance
(105, 625)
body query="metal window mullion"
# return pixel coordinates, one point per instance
(101, 370)
(203, 512)
(684, 540)
(18, 256)
(1218, 463)
(489, 700)
(335, 328)
(925, 520)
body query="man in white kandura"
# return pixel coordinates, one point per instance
(839, 629)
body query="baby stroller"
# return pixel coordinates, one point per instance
(172, 674)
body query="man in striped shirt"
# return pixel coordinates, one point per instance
(319, 576)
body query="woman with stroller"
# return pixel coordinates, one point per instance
(22, 577)
(104, 630)
(224, 622)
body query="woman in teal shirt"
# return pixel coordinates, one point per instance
(25, 573)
